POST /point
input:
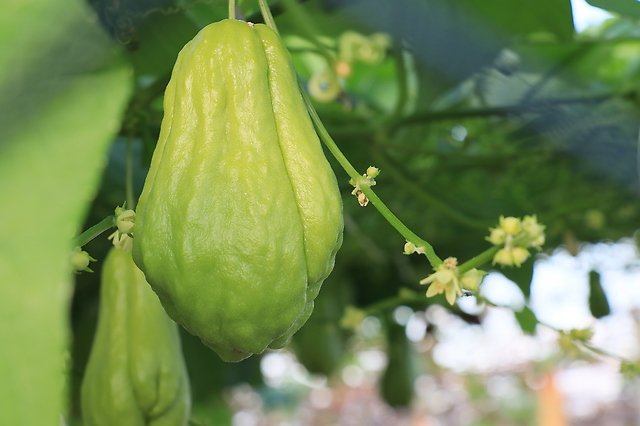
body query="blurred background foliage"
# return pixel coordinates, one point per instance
(475, 110)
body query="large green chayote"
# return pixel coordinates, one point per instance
(136, 375)
(240, 217)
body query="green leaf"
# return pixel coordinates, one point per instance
(160, 39)
(598, 303)
(630, 8)
(527, 320)
(525, 17)
(60, 106)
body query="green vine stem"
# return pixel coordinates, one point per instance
(601, 352)
(368, 192)
(391, 303)
(422, 118)
(97, 229)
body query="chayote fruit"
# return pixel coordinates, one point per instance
(240, 216)
(136, 375)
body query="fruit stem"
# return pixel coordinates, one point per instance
(128, 170)
(268, 17)
(232, 9)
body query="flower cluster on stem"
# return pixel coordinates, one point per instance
(517, 236)
(125, 221)
(367, 179)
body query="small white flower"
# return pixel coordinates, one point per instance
(444, 280)
(122, 241)
(125, 221)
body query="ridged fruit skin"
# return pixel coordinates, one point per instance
(240, 217)
(136, 375)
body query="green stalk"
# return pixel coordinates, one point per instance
(600, 351)
(232, 9)
(393, 302)
(401, 74)
(97, 229)
(268, 17)
(128, 170)
(479, 260)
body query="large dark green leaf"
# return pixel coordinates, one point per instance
(62, 97)
(159, 38)
(630, 8)
(454, 39)
(525, 17)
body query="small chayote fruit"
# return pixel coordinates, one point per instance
(240, 217)
(136, 375)
(321, 344)
(397, 381)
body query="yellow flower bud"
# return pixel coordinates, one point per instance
(497, 236)
(472, 279)
(80, 260)
(373, 172)
(511, 225)
(519, 255)
(503, 257)
(409, 248)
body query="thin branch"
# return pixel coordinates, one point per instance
(536, 87)
(97, 229)
(425, 117)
